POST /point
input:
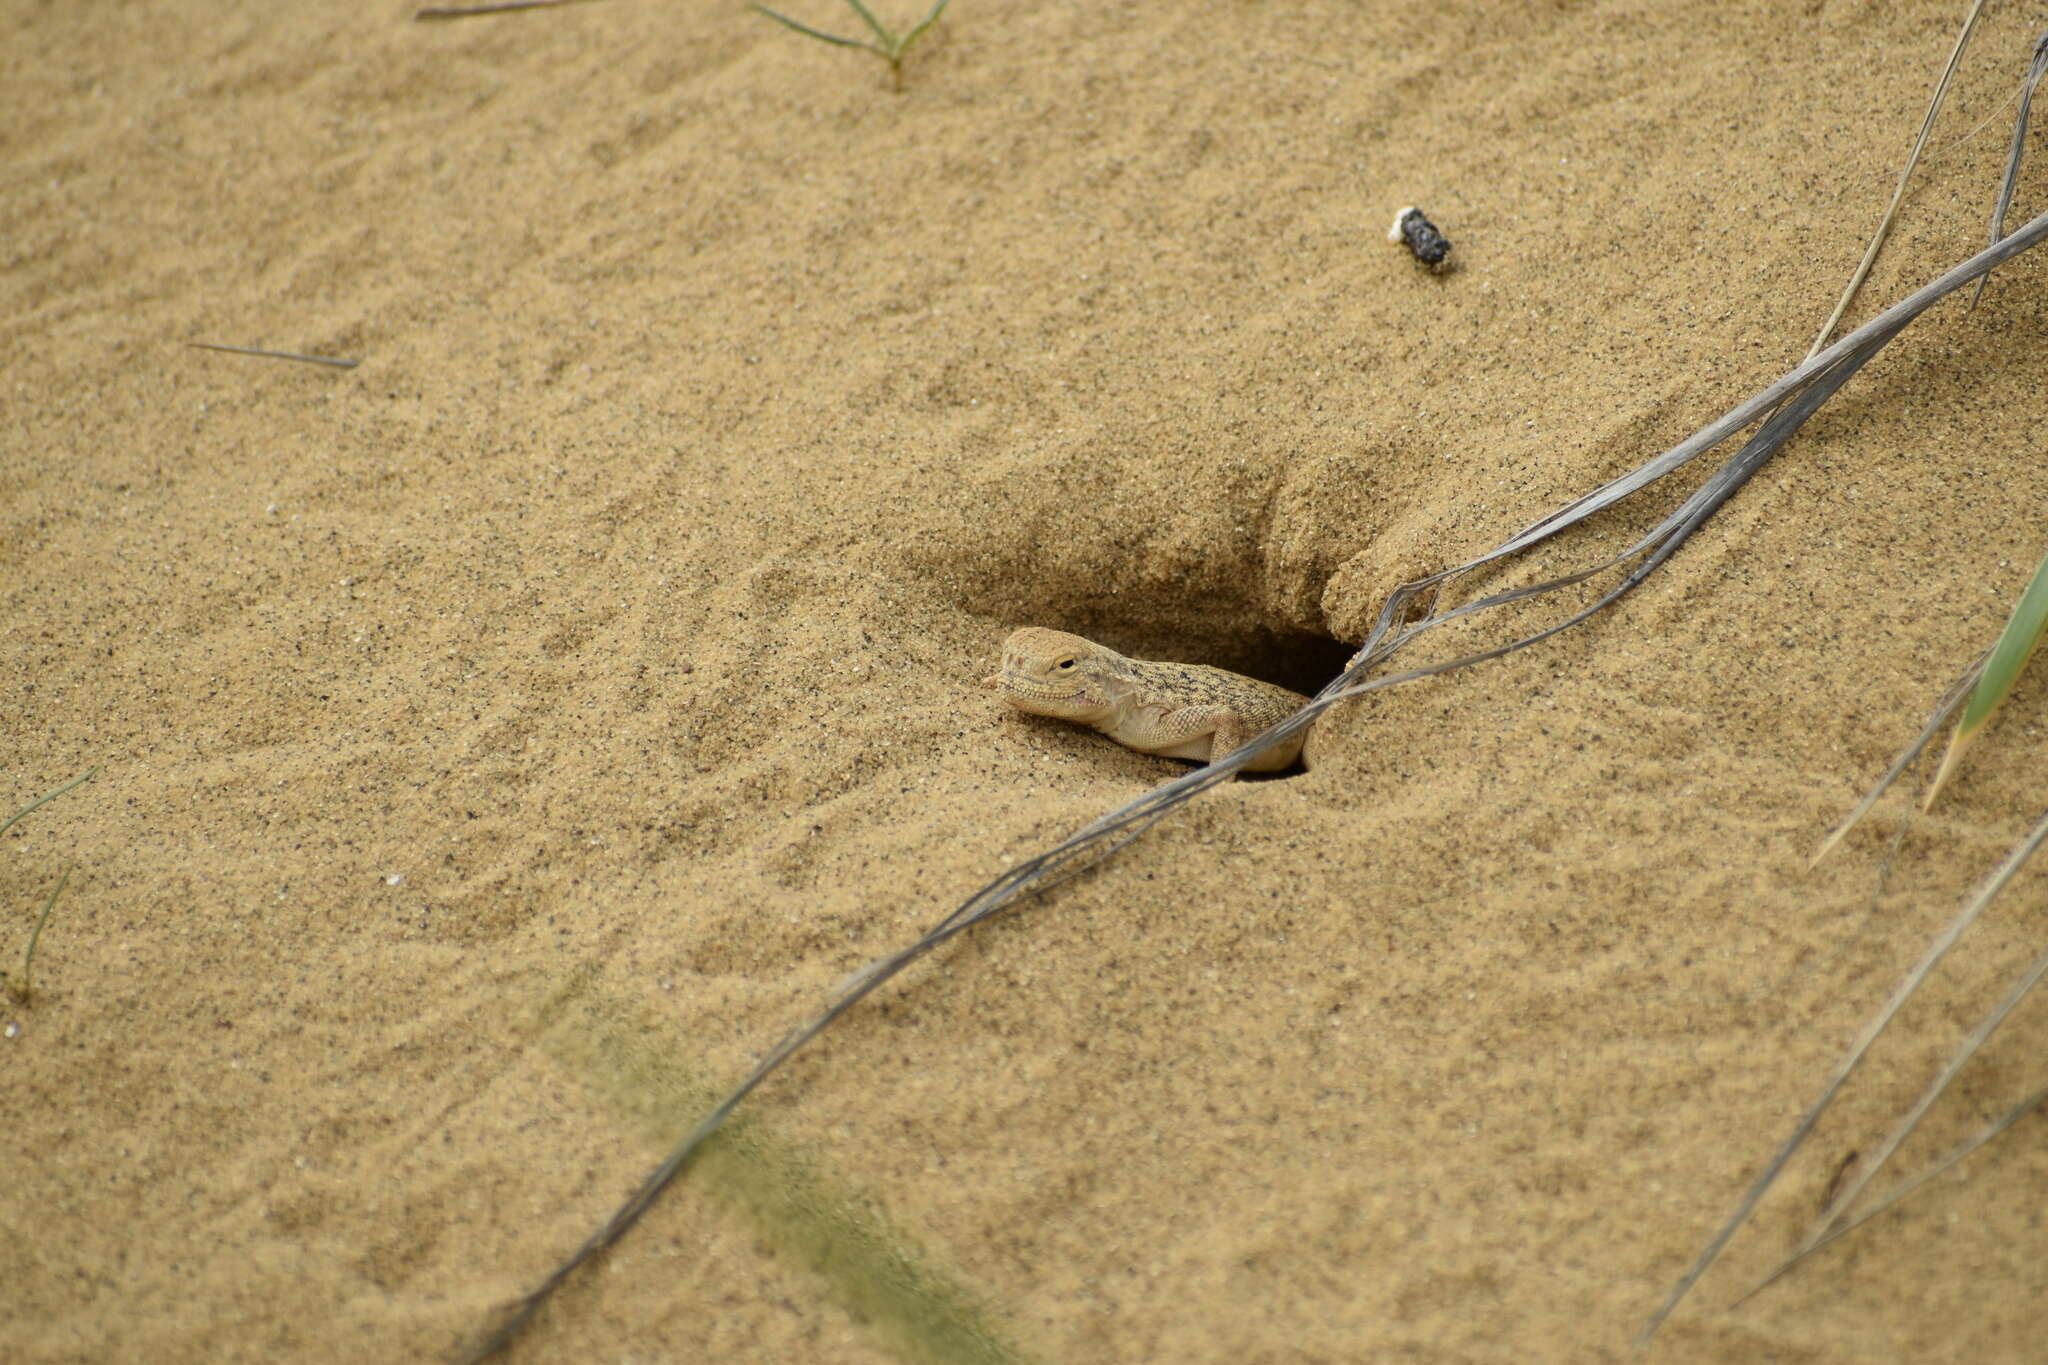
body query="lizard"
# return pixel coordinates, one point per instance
(1172, 709)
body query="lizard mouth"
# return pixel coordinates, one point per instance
(1021, 687)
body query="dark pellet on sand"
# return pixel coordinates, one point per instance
(1420, 236)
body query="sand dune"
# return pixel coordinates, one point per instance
(504, 740)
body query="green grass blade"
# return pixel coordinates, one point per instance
(48, 797)
(890, 48)
(793, 1199)
(924, 24)
(28, 961)
(2016, 644)
(820, 35)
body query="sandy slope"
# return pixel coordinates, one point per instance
(502, 741)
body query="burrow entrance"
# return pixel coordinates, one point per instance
(1302, 661)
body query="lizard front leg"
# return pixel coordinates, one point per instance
(1197, 732)
(1205, 734)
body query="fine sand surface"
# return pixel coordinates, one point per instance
(502, 742)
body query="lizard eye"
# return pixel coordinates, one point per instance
(1064, 664)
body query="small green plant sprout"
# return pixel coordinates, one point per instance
(1984, 684)
(2002, 668)
(28, 961)
(886, 45)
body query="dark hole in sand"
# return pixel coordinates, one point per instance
(1300, 661)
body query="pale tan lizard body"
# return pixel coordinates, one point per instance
(1176, 710)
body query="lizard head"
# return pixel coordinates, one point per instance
(1052, 673)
